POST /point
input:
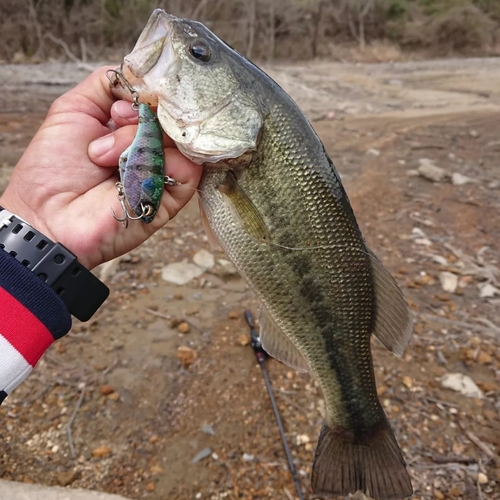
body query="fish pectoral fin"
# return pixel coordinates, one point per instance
(393, 322)
(277, 344)
(244, 209)
(212, 239)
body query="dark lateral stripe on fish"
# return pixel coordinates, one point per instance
(349, 389)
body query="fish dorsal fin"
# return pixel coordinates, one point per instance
(277, 344)
(212, 239)
(393, 323)
(244, 209)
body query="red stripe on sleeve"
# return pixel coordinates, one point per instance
(23, 329)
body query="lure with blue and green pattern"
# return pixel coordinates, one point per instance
(142, 167)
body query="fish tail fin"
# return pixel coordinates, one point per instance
(374, 466)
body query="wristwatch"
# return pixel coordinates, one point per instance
(81, 291)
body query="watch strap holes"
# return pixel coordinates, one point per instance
(41, 244)
(29, 236)
(17, 228)
(60, 290)
(76, 271)
(42, 276)
(25, 263)
(14, 254)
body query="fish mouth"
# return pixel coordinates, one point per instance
(152, 44)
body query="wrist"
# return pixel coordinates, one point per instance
(16, 205)
(53, 264)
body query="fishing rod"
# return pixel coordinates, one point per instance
(261, 356)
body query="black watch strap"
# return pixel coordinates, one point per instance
(81, 291)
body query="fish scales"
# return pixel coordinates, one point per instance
(309, 288)
(273, 199)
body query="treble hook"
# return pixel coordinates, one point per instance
(170, 181)
(119, 78)
(146, 208)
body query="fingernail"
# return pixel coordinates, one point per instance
(124, 110)
(101, 146)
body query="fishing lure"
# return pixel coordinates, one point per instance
(141, 165)
(141, 168)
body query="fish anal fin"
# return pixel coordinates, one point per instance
(374, 465)
(277, 344)
(393, 322)
(212, 239)
(244, 209)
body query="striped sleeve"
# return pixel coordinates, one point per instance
(32, 316)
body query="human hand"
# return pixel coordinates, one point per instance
(64, 184)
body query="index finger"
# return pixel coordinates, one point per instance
(92, 96)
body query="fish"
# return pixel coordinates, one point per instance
(141, 167)
(272, 198)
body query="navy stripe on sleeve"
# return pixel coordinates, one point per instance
(35, 295)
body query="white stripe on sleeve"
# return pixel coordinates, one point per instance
(13, 367)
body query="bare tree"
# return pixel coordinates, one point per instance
(272, 33)
(315, 37)
(251, 27)
(359, 9)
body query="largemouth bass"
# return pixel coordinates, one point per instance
(274, 201)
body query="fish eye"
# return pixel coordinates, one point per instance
(200, 51)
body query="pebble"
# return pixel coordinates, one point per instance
(101, 452)
(67, 477)
(412, 173)
(461, 383)
(408, 382)
(183, 327)
(154, 439)
(373, 152)
(180, 273)
(207, 429)
(204, 259)
(438, 495)
(432, 172)
(155, 469)
(247, 457)
(225, 268)
(488, 290)
(206, 452)
(459, 179)
(106, 390)
(115, 396)
(150, 487)
(302, 439)
(484, 358)
(482, 478)
(243, 339)
(109, 269)
(186, 355)
(233, 314)
(474, 134)
(449, 281)
(494, 184)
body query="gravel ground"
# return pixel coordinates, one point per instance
(142, 415)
